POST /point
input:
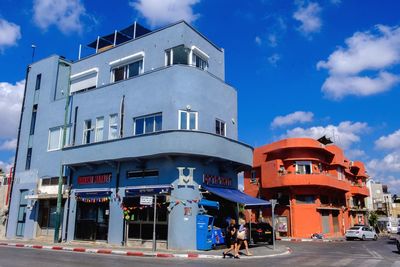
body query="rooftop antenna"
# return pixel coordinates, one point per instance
(33, 51)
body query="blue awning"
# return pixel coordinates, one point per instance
(235, 195)
(209, 203)
(147, 190)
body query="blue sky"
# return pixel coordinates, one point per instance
(301, 68)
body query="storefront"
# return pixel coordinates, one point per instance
(141, 215)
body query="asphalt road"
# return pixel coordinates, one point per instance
(354, 253)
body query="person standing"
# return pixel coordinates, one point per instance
(231, 232)
(241, 238)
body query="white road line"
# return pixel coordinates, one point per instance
(370, 263)
(343, 262)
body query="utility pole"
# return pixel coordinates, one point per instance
(273, 204)
(60, 178)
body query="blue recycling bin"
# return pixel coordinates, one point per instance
(217, 237)
(204, 227)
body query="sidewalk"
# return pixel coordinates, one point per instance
(293, 239)
(258, 251)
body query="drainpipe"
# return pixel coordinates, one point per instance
(60, 178)
(11, 181)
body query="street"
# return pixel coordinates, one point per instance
(353, 253)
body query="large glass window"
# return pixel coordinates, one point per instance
(303, 167)
(199, 62)
(128, 71)
(86, 131)
(177, 55)
(113, 127)
(147, 124)
(220, 127)
(188, 120)
(56, 137)
(99, 129)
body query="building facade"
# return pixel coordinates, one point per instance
(148, 120)
(318, 189)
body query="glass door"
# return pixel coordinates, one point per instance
(23, 203)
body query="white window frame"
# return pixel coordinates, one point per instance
(98, 128)
(109, 126)
(188, 112)
(144, 123)
(303, 163)
(86, 130)
(126, 70)
(221, 122)
(124, 62)
(199, 53)
(60, 129)
(82, 75)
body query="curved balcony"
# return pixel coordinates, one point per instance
(322, 180)
(172, 142)
(360, 190)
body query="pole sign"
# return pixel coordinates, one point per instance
(146, 200)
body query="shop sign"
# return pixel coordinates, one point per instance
(185, 179)
(216, 180)
(146, 200)
(95, 179)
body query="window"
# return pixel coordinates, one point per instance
(220, 127)
(199, 62)
(86, 132)
(33, 119)
(56, 138)
(177, 55)
(147, 124)
(52, 181)
(303, 167)
(340, 173)
(38, 81)
(98, 135)
(28, 159)
(305, 199)
(187, 120)
(127, 71)
(253, 177)
(113, 127)
(142, 173)
(84, 81)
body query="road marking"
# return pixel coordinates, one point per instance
(370, 263)
(343, 262)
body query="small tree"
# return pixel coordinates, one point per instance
(373, 219)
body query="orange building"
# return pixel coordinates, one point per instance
(318, 189)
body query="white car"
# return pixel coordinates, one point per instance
(361, 232)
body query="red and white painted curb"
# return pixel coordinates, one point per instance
(308, 240)
(133, 253)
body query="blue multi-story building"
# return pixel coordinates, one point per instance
(148, 114)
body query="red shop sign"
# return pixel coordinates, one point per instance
(216, 180)
(95, 179)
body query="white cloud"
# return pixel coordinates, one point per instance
(160, 12)
(66, 15)
(258, 40)
(392, 141)
(273, 59)
(390, 163)
(338, 87)
(374, 51)
(355, 154)
(5, 166)
(10, 33)
(9, 144)
(292, 118)
(309, 17)
(10, 105)
(344, 135)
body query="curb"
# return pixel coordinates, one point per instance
(309, 240)
(134, 253)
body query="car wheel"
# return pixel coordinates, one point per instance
(363, 238)
(375, 237)
(348, 238)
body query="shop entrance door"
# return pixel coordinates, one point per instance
(325, 222)
(92, 221)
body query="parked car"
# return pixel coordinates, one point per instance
(361, 232)
(261, 232)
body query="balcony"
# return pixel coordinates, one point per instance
(359, 190)
(316, 179)
(178, 142)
